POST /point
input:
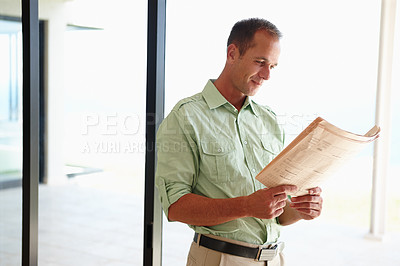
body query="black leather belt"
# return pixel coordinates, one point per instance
(226, 247)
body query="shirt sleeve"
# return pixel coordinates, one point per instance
(177, 160)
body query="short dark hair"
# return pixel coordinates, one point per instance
(243, 32)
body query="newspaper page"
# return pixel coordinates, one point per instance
(313, 155)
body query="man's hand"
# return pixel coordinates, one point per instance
(308, 206)
(268, 203)
(202, 211)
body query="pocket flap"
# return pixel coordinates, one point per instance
(272, 146)
(213, 147)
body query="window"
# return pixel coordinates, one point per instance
(10, 140)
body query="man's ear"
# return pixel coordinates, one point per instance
(232, 53)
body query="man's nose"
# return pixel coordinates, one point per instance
(265, 73)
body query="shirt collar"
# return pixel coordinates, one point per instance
(215, 99)
(249, 102)
(212, 96)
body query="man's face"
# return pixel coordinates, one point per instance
(254, 66)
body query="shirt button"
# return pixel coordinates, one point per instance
(219, 150)
(254, 170)
(245, 142)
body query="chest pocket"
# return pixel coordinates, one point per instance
(217, 159)
(269, 150)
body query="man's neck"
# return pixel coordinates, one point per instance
(235, 97)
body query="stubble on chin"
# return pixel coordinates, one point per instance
(252, 90)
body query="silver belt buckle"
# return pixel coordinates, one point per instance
(269, 253)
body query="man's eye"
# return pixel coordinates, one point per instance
(260, 62)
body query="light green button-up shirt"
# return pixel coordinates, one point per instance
(206, 147)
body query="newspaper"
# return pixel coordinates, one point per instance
(314, 155)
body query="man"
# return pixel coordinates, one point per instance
(211, 147)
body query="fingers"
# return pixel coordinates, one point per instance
(310, 205)
(277, 209)
(280, 204)
(275, 200)
(279, 194)
(306, 205)
(307, 198)
(311, 214)
(313, 195)
(283, 189)
(277, 213)
(315, 191)
(268, 203)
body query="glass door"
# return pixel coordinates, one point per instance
(10, 137)
(10, 103)
(91, 204)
